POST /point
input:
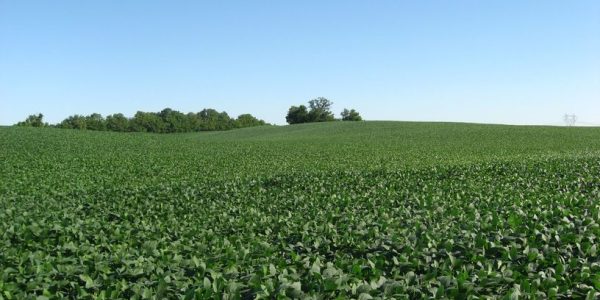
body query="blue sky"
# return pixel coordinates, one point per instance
(515, 62)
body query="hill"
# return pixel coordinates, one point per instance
(324, 210)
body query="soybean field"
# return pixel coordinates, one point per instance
(337, 210)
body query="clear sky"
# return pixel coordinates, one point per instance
(516, 62)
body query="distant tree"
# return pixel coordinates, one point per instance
(320, 110)
(175, 121)
(225, 122)
(209, 119)
(95, 122)
(33, 121)
(117, 122)
(73, 122)
(248, 120)
(147, 122)
(297, 115)
(194, 121)
(350, 115)
(165, 121)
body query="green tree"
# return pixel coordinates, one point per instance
(350, 115)
(117, 122)
(194, 121)
(165, 121)
(73, 122)
(95, 122)
(147, 122)
(297, 115)
(209, 119)
(248, 120)
(320, 110)
(33, 121)
(225, 122)
(175, 121)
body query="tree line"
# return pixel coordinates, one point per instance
(172, 121)
(165, 121)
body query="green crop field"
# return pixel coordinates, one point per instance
(361, 210)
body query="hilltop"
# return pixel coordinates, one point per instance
(327, 145)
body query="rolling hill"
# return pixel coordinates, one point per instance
(327, 210)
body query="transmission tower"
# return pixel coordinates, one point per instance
(570, 119)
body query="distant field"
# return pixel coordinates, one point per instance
(364, 210)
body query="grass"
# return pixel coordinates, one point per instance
(331, 210)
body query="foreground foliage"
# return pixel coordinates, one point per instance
(252, 214)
